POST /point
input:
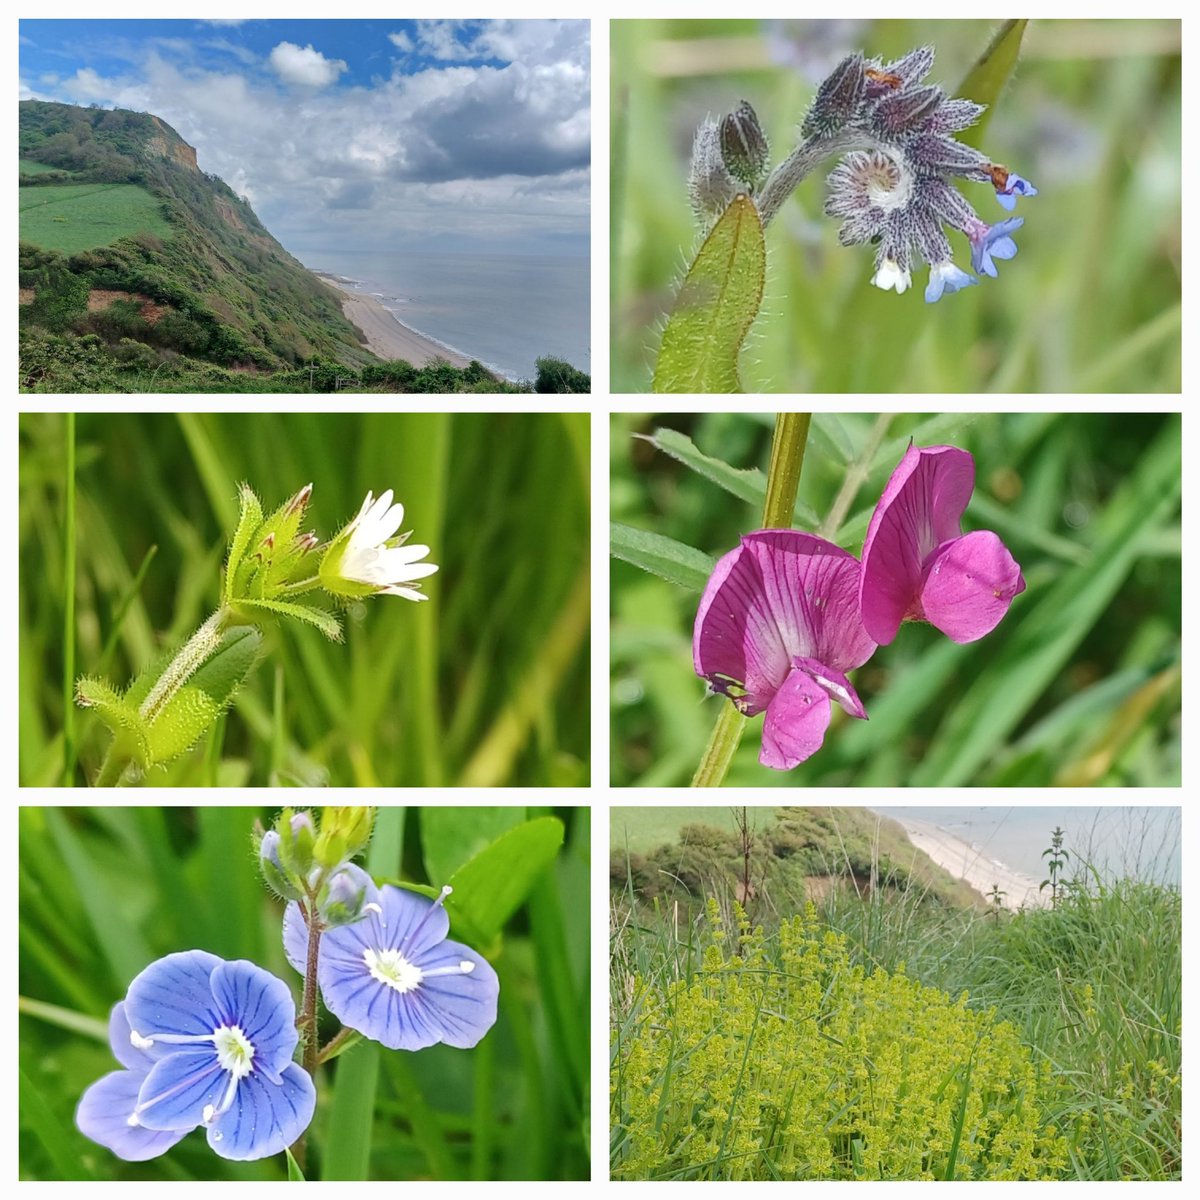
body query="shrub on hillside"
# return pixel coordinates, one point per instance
(555, 375)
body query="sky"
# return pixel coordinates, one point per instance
(430, 136)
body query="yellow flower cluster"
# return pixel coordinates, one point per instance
(784, 1061)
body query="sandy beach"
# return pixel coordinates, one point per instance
(972, 865)
(385, 336)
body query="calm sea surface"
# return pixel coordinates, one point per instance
(507, 311)
(1139, 843)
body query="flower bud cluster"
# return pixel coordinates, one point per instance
(302, 859)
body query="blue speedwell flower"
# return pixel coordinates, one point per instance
(395, 977)
(210, 1044)
(993, 241)
(105, 1112)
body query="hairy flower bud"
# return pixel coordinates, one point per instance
(710, 185)
(272, 867)
(296, 838)
(744, 147)
(341, 900)
(837, 99)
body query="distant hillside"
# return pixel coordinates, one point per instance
(797, 852)
(113, 202)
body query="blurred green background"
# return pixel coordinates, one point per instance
(1078, 685)
(485, 684)
(1092, 303)
(105, 891)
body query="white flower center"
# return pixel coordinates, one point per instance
(392, 968)
(889, 186)
(234, 1051)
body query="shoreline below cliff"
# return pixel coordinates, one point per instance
(384, 334)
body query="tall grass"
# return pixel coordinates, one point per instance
(1093, 986)
(484, 684)
(104, 891)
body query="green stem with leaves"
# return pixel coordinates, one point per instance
(783, 482)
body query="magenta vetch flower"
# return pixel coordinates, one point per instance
(777, 630)
(917, 565)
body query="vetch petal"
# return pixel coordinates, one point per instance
(970, 584)
(834, 684)
(264, 1117)
(920, 508)
(796, 721)
(104, 1114)
(262, 1007)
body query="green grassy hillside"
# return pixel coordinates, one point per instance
(79, 217)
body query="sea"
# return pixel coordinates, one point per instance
(507, 311)
(1120, 841)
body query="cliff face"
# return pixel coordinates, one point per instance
(251, 301)
(168, 144)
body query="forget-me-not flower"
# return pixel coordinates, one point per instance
(993, 241)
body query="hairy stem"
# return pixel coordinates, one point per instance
(308, 1012)
(190, 658)
(797, 167)
(783, 481)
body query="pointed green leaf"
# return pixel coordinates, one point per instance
(180, 722)
(986, 79)
(716, 306)
(453, 836)
(295, 1175)
(494, 884)
(119, 714)
(326, 622)
(662, 556)
(249, 519)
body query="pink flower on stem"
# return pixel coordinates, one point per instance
(777, 629)
(918, 565)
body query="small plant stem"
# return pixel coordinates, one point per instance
(111, 769)
(783, 481)
(856, 474)
(68, 698)
(335, 1043)
(191, 656)
(308, 1012)
(797, 167)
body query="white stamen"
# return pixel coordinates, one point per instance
(463, 968)
(133, 1120)
(390, 967)
(234, 1052)
(209, 1112)
(138, 1042)
(371, 906)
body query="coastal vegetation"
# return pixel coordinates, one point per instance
(139, 272)
(865, 1025)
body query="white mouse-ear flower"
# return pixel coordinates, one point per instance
(368, 559)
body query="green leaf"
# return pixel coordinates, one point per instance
(453, 836)
(748, 485)
(327, 623)
(351, 1114)
(494, 884)
(662, 556)
(986, 79)
(132, 737)
(295, 1175)
(716, 306)
(181, 722)
(249, 519)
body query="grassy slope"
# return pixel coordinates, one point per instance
(79, 217)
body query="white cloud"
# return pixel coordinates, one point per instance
(306, 67)
(490, 155)
(402, 41)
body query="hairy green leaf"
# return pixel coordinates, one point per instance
(661, 556)
(326, 622)
(249, 519)
(716, 306)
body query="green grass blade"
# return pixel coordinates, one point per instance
(986, 79)
(57, 1140)
(716, 306)
(68, 685)
(661, 556)
(351, 1114)
(64, 1018)
(295, 1175)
